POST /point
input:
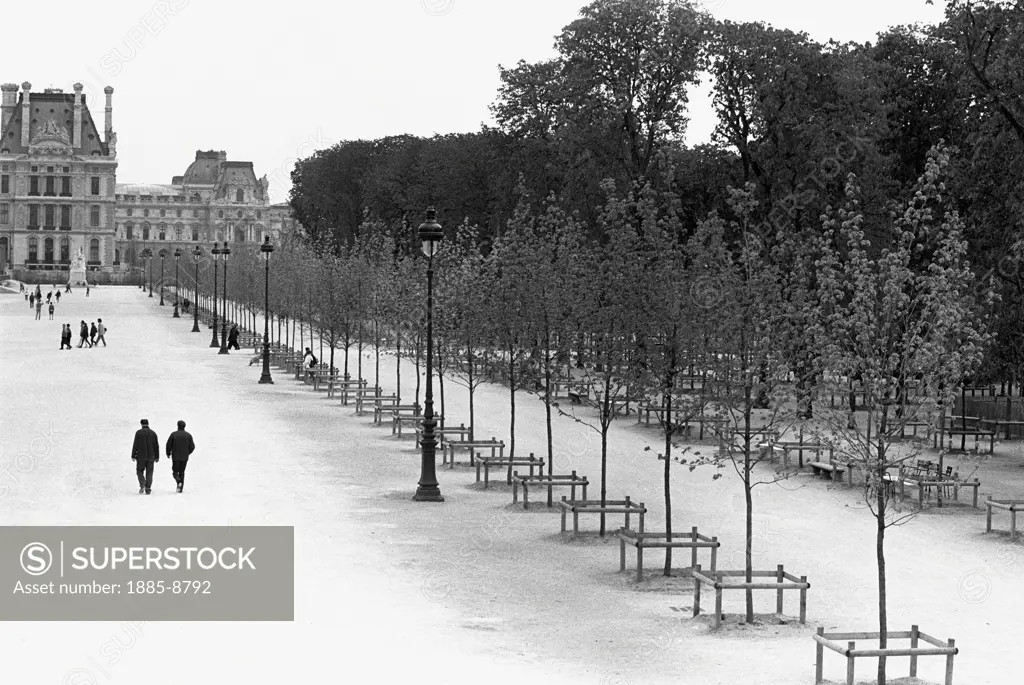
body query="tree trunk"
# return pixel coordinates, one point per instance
(669, 428)
(512, 406)
(880, 505)
(748, 542)
(472, 388)
(547, 395)
(605, 425)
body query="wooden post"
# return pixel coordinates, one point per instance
(819, 658)
(627, 511)
(803, 600)
(714, 555)
(693, 550)
(949, 663)
(696, 592)
(563, 514)
(515, 487)
(639, 559)
(718, 603)
(778, 598)
(849, 663)
(913, 645)
(988, 517)
(622, 554)
(1013, 520)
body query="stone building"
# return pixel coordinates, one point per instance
(57, 177)
(215, 200)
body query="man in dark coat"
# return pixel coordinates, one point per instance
(145, 453)
(179, 446)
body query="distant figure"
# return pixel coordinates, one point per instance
(101, 331)
(179, 446)
(312, 362)
(87, 290)
(31, 300)
(21, 287)
(67, 288)
(49, 296)
(65, 336)
(233, 337)
(51, 311)
(58, 297)
(83, 331)
(39, 309)
(145, 453)
(92, 334)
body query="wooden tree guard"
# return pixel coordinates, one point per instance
(577, 507)
(642, 540)
(1011, 505)
(947, 649)
(780, 584)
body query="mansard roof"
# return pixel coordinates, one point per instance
(53, 116)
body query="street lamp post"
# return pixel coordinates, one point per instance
(196, 254)
(163, 254)
(177, 256)
(265, 250)
(149, 256)
(431, 234)
(224, 253)
(213, 323)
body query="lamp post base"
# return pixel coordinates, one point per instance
(195, 327)
(175, 315)
(428, 494)
(265, 376)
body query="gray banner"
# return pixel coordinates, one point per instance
(147, 573)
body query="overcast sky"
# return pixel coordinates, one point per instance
(271, 82)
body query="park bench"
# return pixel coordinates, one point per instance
(488, 463)
(399, 421)
(441, 434)
(833, 469)
(925, 482)
(642, 540)
(976, 433)
(395, 410)
(550, 482)
(376, 401)
(576, 507)
(448, 448)
(1011, 505)
(344, 383)
(360, 395)
(322, 378)
(998, 423)
(577, 392)
(915, 425)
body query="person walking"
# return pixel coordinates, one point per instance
(39, 309)
(87, 290)
(31, 300)
(92, 335)
(83, 332)
(179, 446)
(145, 454)
(63, 335)
(67, 288)
(67, 335)
(49, 296)
(51, 311)
(57, 297)
(101, 331)
(233, 337)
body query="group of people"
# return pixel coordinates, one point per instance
(91, 336)
(35, 299)
(146, 452)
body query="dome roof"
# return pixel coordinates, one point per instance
(204, 170)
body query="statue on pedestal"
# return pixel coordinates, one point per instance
(80, 258)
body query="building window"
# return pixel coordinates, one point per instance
(163, 212)
(65, 250)
(117, 256)
(239, 214)
(48, 250)
(5, 184)
(48, 214)
(129, 211)
(195, 213)
(94, 250)
(239, 195)
(95, 183)
(65, 216)
(163, 231)
(33, 250)
(65, 186)
(145, 231)
(94, 215)
(195, 234)
(178, 213)
(259, 215)
(220, 214)
(5, 214)
(50, 186)
(33, 185)
(33, 216)
(145, 212)
(129, 231)
(178, 229)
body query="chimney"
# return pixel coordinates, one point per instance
(108, 126)
(222, 156)
(76, 139)
(10, 102)
(26, 112)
